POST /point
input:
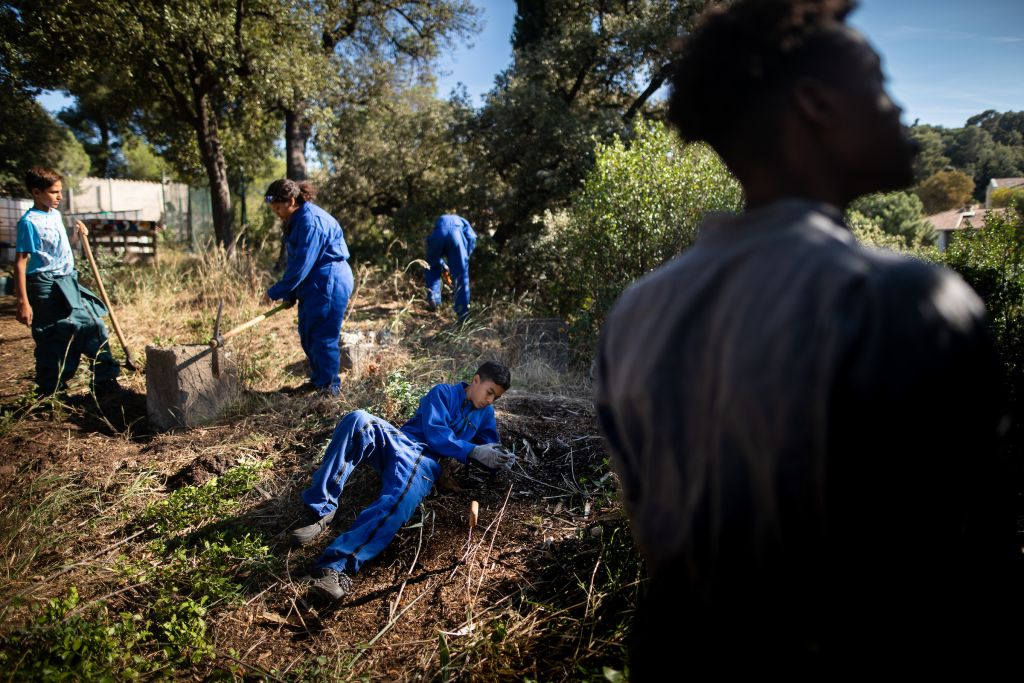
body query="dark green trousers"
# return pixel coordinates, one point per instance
(66, 325)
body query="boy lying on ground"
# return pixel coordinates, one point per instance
(452, 421)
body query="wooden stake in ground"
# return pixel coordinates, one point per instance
(84, 233)
(474, 513)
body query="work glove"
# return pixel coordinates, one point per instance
(493, 457)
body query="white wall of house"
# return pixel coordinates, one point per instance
(161, 202)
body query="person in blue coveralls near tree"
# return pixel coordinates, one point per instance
(452, 421)
(317, 275)
(449, 247)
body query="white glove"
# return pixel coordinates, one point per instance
(493, 457)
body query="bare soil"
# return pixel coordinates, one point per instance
(529, 568)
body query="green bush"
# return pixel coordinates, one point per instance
(190, 505)
(991, 260)
(900, 214)
(639, 206)
(67, 641)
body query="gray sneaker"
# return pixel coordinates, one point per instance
(305, 534)
(329, 582)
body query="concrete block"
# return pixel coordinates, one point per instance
(181, 387)
(360, 346)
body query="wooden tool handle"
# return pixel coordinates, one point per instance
(255, 321)
(106, 301)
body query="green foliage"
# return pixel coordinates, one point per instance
(869, 233)
(66, 642)
(190, 505)
(30, 137)
(581, 70)
(141, 161)
(71, 641)
(639, 207)
(991, 145)
(1006, 196)
(206, 571)
(192, 74)
(931, 157)
(396, 165)
(945, 190)
(991, 260)
(900, 214)
(402, 397)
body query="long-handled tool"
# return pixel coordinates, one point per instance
(221, 339)
(128, 362)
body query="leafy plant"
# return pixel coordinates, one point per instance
(190, 505)
(639, 206)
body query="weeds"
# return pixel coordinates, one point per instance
(185, 598)
(191, 505)
(63, 642)
(71, 640)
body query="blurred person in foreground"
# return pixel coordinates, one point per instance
(805, 429)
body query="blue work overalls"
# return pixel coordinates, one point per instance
(452, 241)
(445, 425)
(318, 275)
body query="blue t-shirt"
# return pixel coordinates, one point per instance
(42, 234)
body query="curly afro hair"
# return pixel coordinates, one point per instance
(740, 59)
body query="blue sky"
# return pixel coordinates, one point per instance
(946, 59)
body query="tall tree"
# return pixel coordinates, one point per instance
(30, 137)
(583, 70)
(99, 118)
(393, 160)
(351, 31)
(184, 66)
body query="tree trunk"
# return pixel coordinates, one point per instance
(297, 130)
(212, 153)
(296, 136)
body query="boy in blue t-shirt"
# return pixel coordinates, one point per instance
(64, 315)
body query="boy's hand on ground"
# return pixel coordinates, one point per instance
(24, 314)
(493, 457)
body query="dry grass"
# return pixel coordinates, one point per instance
(543, 588)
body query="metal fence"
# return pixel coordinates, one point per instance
(124, 215)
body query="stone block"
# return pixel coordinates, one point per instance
(361, 346)
(182, 389)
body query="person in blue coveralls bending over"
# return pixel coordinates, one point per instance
(449, 247)
(452, 421)
(317, 275)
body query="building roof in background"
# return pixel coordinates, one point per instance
(1006, 183)
(960, 219)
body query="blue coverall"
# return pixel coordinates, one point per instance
(445, 425)
(318, 275)
(452, 241)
